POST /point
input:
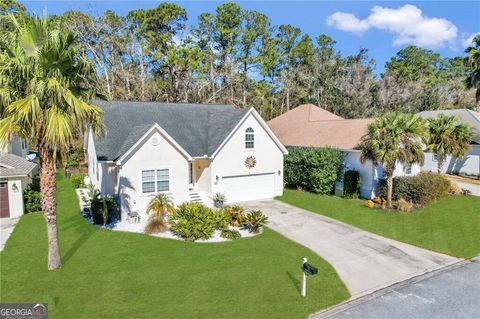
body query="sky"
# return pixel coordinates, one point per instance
(382, 27)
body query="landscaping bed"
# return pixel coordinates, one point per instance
(449, 225)
(124, 275)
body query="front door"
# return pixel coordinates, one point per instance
(4, 204)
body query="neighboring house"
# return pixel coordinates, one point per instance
(311, 126)
(189, 151)
(16, 146)
(470, 164)
(16, 173)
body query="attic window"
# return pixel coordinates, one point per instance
(249, 138)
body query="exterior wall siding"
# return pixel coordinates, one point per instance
(469, 165)
(154, 153)
(230, 161)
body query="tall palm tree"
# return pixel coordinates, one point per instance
(473, 60)
(45, 88)
(447, 136)
(391, 139)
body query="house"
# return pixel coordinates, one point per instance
(16, 174)
(189, 151)
(311, 126)
(470, 164)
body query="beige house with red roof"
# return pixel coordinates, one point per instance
(311, 126)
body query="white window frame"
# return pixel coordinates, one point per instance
(156, 180)
(249, 133)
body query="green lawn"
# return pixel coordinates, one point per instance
(124, 275)
(450, 225)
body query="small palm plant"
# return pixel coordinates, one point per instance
(448, 136)
(160, 206)
(255, 220)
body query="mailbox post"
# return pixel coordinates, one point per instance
(307, 269)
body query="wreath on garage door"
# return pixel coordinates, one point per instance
(250, 162)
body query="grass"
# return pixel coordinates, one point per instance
(450, 225)
(126, 275)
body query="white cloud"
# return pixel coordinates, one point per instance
(347, 22)
(467, 39)
(407, 23)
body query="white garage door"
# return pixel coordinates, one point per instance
(248, 187)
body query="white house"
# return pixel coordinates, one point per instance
(470, 164)
(16, 173)
(311, 126)
(190, 151)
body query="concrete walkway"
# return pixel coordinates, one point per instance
(364, 261)
(7, 225)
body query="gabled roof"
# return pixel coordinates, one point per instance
(13, 165)
(198, 128)
(467, 116)
(311, 126)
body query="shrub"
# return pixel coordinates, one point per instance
(32, 200)
(32, 197)
(351, 184)
(255, 219)
(369, 204)
(193, 221)
(218, 200)
(78, 180)
(103, 210)
(236, 215)
(420, 189)
(73, 159)
(156, 224)
(404, 206)
(313, 169)
(230, 234)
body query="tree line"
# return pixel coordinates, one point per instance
(237, 56)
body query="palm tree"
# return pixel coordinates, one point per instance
(473, 60)
(45, 86)
(159, 206)
(391, 139)
(447, 136)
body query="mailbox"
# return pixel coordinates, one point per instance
(309, 269)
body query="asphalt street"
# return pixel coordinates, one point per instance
(453, 292)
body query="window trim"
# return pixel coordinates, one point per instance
(252, 133)
(155, 169)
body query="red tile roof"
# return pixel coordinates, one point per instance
(310, 125)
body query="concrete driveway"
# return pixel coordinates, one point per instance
(366, 262)
(7, 225)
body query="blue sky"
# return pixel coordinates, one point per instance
(382, 27)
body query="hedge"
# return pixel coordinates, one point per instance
(420, 189)
(313, 169)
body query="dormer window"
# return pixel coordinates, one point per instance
(249, 138)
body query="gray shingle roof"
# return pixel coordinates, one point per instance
(198, 128)
(468, 117)
(13, 165)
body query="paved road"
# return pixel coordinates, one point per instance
(366, 262)
(7, 225)
(450, 293)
